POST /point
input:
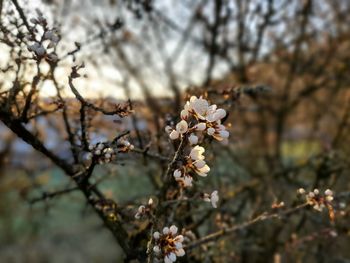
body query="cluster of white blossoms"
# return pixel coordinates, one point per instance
(198, 119)
(168, 245)
(194, 163)
(317, 200)
(198, 116)
(44, 43)
(103, 152)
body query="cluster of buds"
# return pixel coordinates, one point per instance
(319, 201)
(198, 118)
(124, 145)
(102, 152)
(144, 209)
(168, 245)
(43, 42)
(212, 198)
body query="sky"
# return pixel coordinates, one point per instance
(104, 73)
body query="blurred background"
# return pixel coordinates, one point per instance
(279, 67)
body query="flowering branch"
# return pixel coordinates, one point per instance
(229, 230)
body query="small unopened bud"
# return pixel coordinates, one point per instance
(301, 191)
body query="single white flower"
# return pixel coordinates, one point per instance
(193, 139)
(197, 153)
(182, 127)
(169, 244)
(174, 135)
(200, 107)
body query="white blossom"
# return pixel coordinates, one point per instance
(197, 153)
(200, 106)
(182, 127)
(168, 245)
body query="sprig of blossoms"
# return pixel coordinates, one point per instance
(319, 201)
(43, 43)
(194, 163)
(168, 245)
(198, 119)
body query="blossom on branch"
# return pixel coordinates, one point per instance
(168, 245)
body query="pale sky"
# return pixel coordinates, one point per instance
(105, 79)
